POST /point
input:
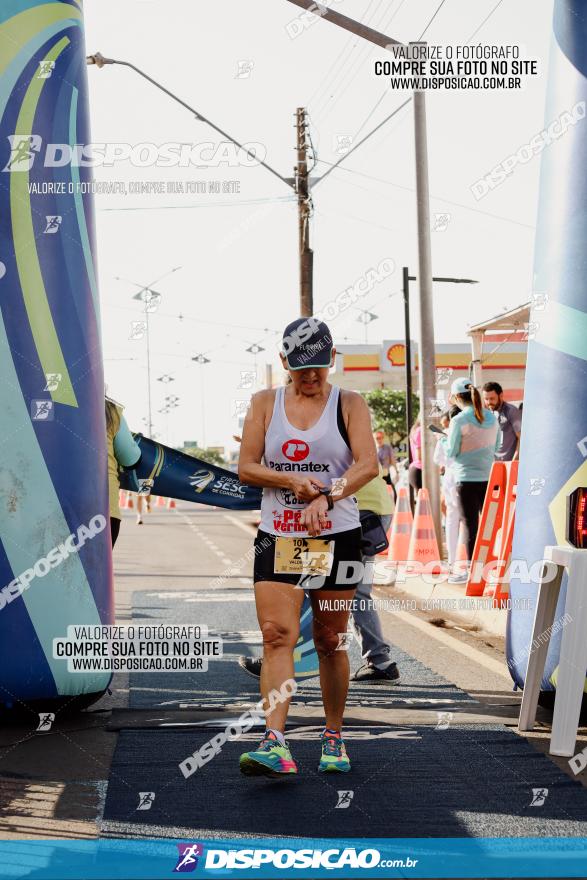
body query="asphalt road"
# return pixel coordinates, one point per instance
(438, 755)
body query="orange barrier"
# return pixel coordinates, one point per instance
(171, 505)
(498, 579)
(423, 547)
(160, 501)
(491, 520)
(129, 501)
(401, 527)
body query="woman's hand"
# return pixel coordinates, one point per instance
(314, 515)
(304, 488)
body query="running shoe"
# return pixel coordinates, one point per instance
(270, 759)
(252, 665)
(334, 757)
(369, 673)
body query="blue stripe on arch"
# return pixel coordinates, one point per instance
(570, 30)
(37, 524)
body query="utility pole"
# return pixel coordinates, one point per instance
(426, 350)
(304, 210)
(426, 344)
(408, 347)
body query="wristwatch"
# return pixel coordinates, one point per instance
(328, 496)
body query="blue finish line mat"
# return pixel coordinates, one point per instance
(407, 781)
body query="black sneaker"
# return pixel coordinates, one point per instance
(252, 665)
(369, 673)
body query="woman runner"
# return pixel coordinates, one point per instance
(310, 446)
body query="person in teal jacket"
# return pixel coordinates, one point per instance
(122, 450)
(472, 441)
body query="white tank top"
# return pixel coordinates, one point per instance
(321, 452)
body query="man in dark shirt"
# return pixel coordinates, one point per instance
(509, 418)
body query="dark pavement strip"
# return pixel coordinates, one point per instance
(408, 778)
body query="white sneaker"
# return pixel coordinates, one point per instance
(139, 520)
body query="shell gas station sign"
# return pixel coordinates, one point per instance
(363, 367)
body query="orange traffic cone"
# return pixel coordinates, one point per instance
(121, 499)
(401, 527)
(129, 502)
(171, 504)
(423, 544)
(160, 501)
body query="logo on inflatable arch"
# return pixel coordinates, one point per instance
(200, 479)
(295, 450)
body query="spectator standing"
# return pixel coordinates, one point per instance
(122, 450)
(385, 454)
(509, 418)
(452, 512)
(473, 438)
(387, 460)
(415, 469)
(376, 651)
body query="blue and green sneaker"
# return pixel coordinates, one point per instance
(270, 759)
(334, 757)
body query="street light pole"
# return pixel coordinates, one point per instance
(148, 371)
(146, 294)
(408, 348)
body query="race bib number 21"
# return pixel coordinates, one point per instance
(303, 556)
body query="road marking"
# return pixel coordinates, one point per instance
(248, 528)
(460, 647)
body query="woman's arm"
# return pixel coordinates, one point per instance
(452, 445)
(126, 450)
(250, 469)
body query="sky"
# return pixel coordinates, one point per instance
(247, 66)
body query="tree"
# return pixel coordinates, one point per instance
(209, 455)
(389, 412)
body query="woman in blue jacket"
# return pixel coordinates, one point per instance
(473, 438)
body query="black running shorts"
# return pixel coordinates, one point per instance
(347, 549)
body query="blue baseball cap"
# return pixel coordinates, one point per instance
(307, 343)
(461, 386)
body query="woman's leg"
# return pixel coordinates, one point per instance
(452, 526)
(471, 497)
(334, 664)
(114, 529)
(278, 612)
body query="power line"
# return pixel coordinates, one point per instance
(325, 86)
(432, 196)
(366, 120)
(278, 200)
(442, 2)
(485, 20)
(348, 73)
(366, 138)
(200, 320)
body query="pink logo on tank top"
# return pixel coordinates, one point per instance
(295, 450)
